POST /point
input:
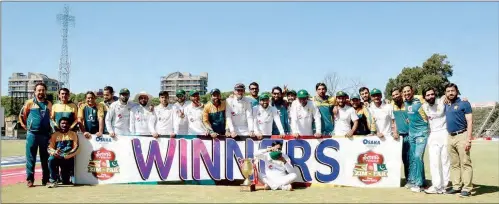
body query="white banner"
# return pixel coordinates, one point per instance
(360, 162)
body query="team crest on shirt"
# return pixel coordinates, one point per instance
(233, 113)
(270, 166)
(409, 109)
(138, 119)
(192, 119)
(455, 107)
(120, 116)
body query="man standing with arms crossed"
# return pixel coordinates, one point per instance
(162, 121)
(214, 114)
(345, 116)
(303, 114)
(264, 116)
(118, 118)
(460, 127)
(182, 103)
(239, 113)
(141, 115)
(282, 109)
(35, 119)
(325, 106)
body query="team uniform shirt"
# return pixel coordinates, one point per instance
(118, 118)
(345, 116)
(401, 118)
(239, 115)
(325, 106)
(366, 124)
(254, 101)
(183, 124)
(90, 116)
(274, 168)
(264, 118)
(383, 116)
(140, 119)
(67, 143)
(194, 116)
(418, 121)
(60, 110)
(214, 117)
(35, 116)
(436, 115)
(282, 110)
(163, 120)
(456, 115)
(106, 109)
(302, 118)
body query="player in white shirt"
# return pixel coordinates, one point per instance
(182, 103)
(279, 172)
(141, 115)
(437, 142)
(118, 116)
(193, 113)
(264, 116)
(303, 113)
(239, 113)
(345, 116)
(383, 115)
(163, 119)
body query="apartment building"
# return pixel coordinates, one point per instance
(186, 81)
(22, 86)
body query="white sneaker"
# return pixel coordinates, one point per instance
(287, 187)
(433, 190)
(408, 185)
(416, 189)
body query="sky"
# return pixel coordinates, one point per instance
(132, 44)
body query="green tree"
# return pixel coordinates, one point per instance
(7, 105)
(155, 101)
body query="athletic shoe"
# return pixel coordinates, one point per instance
(433, 190)
(465, 194)
(416, 189)
(287, 187)
(30, 184)
(441, 191)
(452, 191)
(52, 185)
(408, 185)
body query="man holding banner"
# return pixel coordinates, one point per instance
(194, 115)
(239, 113)
(118, 118)
(264, 116)
(162, 121)
(303, 114)
(141, 115)
(383, 115)
(345, 116)
(214, 114)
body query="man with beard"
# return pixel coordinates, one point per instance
(239, 113)
(264, 116)
(383, 116)
(254, 90)
(325, 106)
(345, 116)
(118, 118)
(402, 123)
(194, 115)
(64, 109)
(366, 125)
(141, 115)
(364, 94)
(35, 119)
(279, 172)
(162, 121)
(290, 97)
(91, 116)
(459, 118)
(109, 98)
(303, 114)
(282, 109)
(214, 114)
(183, 125)
(63, 147)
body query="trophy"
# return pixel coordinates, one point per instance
(247, 171)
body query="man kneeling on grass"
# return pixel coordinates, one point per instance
(63, 147)
(279, 173)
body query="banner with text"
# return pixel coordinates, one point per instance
(361, 161)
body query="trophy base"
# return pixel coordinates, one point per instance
(247, 188)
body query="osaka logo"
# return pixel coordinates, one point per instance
(103, 164)
(370, 168)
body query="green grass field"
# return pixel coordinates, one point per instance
(485, 157)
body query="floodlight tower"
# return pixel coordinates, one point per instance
(66, 20)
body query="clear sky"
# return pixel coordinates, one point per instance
(130, 44)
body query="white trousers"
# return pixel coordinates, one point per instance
(439, 159)
(277, 182)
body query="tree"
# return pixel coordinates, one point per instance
(434, 73)
(336, 83)
(332, 81)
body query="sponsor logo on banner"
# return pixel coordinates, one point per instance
(370, 167)
(103, 164)
(370, 143)
(103, 139)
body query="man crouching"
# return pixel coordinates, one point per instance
(279, 173)
(63, 147)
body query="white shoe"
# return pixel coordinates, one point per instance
(433, 190)
(416, 189)
(408, 185)
(286, 187)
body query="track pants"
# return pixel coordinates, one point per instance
(277, 182)
(439, 159)
(417, 148)
(37, 142)
(66, 165)
(406, 156)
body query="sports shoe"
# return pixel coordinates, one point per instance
(287, 187)
(452, 191)
(30, 184)
(433, 190)
(52, 185)
(408, 185)
(416, 189)
(465, 194)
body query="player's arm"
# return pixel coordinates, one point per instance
(23, 114)
(109, 120)
(52, 149)
(469, 120)
(206, 118)
(100, 117)
(52, 118)
(75, 116)
(228, 116)
(132, 121)
(249, 117)
(371, 124)
(317, 118)
(355, 119)
(81, 118)
(75, 148)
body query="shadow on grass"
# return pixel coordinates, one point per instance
(483, 189)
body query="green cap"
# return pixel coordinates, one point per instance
(375, 91)
(180, 92)
(341, 93)
(355, 96)
(264, 96)
(193, 92)
(275, 155)
(124, 91)
(302, 94)
(291, 92)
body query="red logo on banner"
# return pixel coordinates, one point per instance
(370, 167)
(103, 164)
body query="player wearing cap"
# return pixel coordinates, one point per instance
(282, 109)
(254, 90)
(366, 125)
(264, 116)
(279, 172)
(239, 113)
(163, 118)
(303, 114)
(194, 115)
(345, 116)
(183, 126)
(383, 115)
(214, 114)
(118, 117)
(325, 105)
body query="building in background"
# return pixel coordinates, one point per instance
(185, 81)
(23, 86)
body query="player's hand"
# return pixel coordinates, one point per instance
(396, 136)
(98, 134)
(87, 135)
(214, 135)
(155, 135)
(468, 146)
(206, 133)
(273, 149)
(151, 108)
(349, 134)
(282, 135)
(182, 115)
(259, 135)
(318, 135)
(112, 134)
(227, 133)
(233, 134)
(172, 135)
(380, 135)
(296, 135)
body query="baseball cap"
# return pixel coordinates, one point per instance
(239, 86)
(355, 96)
(124, 91)
(275, 155)
(180, 92)
(375, 91)
(264, 96)
(341, 93)
(291, 92)
(302, 94)
(214, 91)
(193, 92)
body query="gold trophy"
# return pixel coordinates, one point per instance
(247, 171)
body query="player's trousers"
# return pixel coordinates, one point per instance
(439, 159)
(406, 156)
(276, 181)
(461, 170)
(37, 142)
(66, 165)
(417, 143)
